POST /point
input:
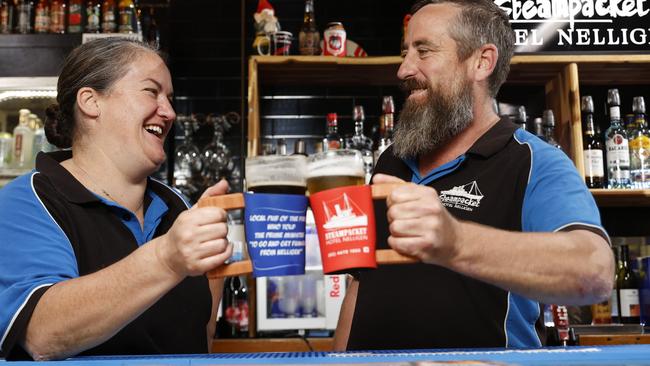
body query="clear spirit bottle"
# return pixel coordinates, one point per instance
(639, 144)
(332, 139)
(616, 143)
(361, 142)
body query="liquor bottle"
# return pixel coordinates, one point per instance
(23, 141)
(639, 144)
(75, 16)
(57, 16)
(386, 122)
(592, 147)
(42, 20)
(40, 141)
(538, 128)
(309, 38)
(7, 14)
(93, 16)
(332, 139)
(25, 15)
(561, 320)
(361, 142)
(281, 147)
(109, 24)
(522, 117)
(235, 305)
(628, 289)
(548, 122)
(127, 20)
(618, 153)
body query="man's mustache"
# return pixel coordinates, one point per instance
(411, 84)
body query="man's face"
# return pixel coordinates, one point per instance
(439, 93)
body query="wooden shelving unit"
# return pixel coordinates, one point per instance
(622, 197)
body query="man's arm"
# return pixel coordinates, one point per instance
(344, 324)
(572, 267)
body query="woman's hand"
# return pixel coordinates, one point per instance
(197, 241)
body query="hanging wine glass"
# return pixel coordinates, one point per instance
(187, 161)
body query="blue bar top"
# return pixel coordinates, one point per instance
(629, 355)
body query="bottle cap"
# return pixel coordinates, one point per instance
(638, 105)
(613, 98)
(331, 119)
(387, 104)
(358, 114)
(549, 118)
(521, 114)
(587, 104)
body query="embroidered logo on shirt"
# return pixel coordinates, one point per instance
(465, 197)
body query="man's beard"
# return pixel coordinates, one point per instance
(423, 127)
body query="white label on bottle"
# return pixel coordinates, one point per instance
(594, 163)
(614, 303)
(630, 302)
(618, 151)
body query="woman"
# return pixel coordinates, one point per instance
(96, 257)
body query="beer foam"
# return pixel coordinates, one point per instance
(276, 183)
(340, 166)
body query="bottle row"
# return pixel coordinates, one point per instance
(76, 16)
(18, 150)
(369, 147)
(619, 158)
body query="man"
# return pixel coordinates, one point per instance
(500, 220)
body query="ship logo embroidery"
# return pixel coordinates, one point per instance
(342, 212)
(466, 197)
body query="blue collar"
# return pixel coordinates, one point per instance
(154, 209)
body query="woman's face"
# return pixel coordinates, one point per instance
(136, 115)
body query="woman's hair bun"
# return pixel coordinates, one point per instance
(57, 127)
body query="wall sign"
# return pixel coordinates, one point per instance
(579, 25)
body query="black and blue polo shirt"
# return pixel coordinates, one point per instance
(509, 179)
(53, 229)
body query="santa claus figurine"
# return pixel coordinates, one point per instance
(265, 24)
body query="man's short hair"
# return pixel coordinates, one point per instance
(480, 22)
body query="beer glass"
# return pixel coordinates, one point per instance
(334, 168)
(276, 174)
(343, 210)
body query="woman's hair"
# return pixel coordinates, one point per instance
(98, 65)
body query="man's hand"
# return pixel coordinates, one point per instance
(420, 226)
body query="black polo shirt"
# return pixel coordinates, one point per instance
(54, 229)
(509, 179)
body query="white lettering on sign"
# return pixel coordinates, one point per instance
(572, 11)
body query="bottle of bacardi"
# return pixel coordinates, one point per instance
(592, 147)
(332, 139)
(616, 143)
(361, 142)
(639, 141)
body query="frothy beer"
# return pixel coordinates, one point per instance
(335, 168)
(276, 174)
